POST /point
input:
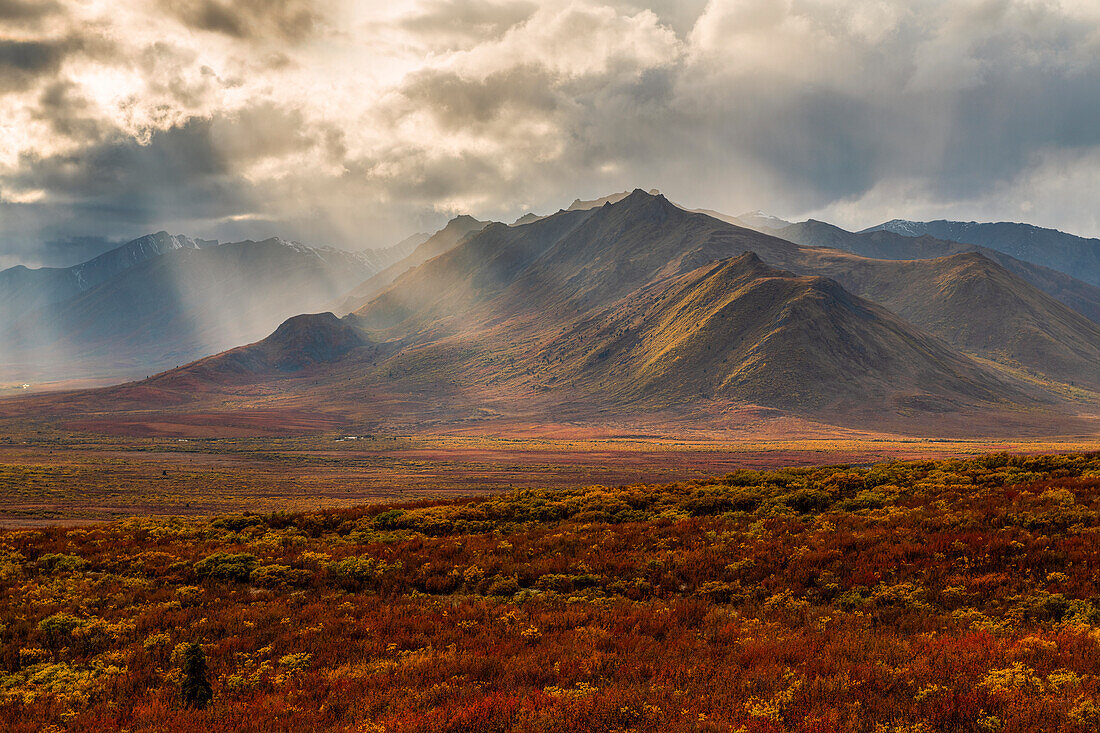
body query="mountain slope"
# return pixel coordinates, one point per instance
(881, 244)
(571, 262)
(23, 290)
(173, 308)
(1073, 255)
(743, 330)
(442, 241)
(543, 305)
(978, 306)
(577, 261)
(639, 310)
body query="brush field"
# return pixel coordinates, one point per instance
(951, 595)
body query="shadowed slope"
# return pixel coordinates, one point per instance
(1068, 253)
(880, 244)
(976, 305)
(300, 342)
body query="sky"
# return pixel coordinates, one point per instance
(355, 124)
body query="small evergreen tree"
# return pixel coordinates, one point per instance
(195, 688)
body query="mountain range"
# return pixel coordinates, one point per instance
(636, 309)
(1057, 250)
(164, 300)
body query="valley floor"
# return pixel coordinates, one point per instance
(49, 476)
(920, 596)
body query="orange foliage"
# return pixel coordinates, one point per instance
(909, 596)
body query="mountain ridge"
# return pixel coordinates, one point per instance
(1068, 253)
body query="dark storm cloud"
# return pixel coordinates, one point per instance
(119, 186)
(281, 20)
(823, 107)
(997, 128)
(22, 63)
(460, 103)
(26, 10)
(69, 113)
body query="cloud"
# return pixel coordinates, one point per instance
(354, 123)
(447, 25)
(24, 62)
(274, 20)
(27, 10)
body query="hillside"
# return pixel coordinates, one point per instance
(624, 304)
(1068, 253)
(979, 307)
(741, 330)
(442, 241)
(172, 308)
(887, 245)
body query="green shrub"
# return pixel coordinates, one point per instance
(388, 520)
(278, 576)
(58, 628)
(60, 563)
(222, 566)
(505, 586)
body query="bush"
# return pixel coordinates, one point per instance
(388, 520)
(58, 628)
(505, 586)
(60, 563)
(278, 576)
(222, 566)
(195, 690)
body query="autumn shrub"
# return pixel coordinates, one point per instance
(58, 628)
(930, 596)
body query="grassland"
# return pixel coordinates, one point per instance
(49, 476)
(955, 595)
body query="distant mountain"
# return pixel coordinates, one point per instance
(23, 289)
(442, 241)
(1073, 255)
(167, 309)
(760, 221)
(977, 306)
(881, 244)
(380, 259)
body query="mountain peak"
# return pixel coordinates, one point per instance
(462, 220)
(309, 339)
(614, 198)
(645, 205)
